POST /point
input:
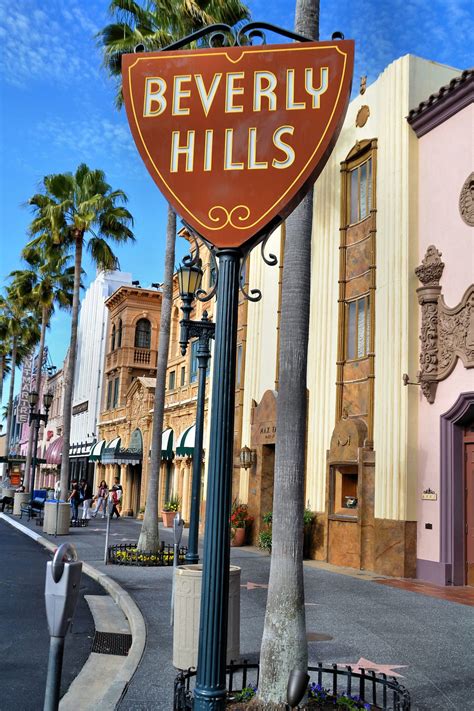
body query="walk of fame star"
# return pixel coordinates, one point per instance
(367, 665)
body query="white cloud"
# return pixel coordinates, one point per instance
(42, 41)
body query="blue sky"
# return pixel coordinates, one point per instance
(56, 104)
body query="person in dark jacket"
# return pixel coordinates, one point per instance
(74, 499)
(86, 498)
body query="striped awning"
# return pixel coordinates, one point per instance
(96, 451)
(111, 450)
(81, 449)
(54, 451)
(185, 442)
(167, 444)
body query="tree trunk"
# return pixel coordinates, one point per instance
(71, 367)
(10, 397)
(2, 375)
(284, 645)
(150, 536)
(31, 435)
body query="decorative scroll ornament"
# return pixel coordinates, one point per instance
(466, 201)
(446, 334)
(431, 268)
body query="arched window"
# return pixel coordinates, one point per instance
(143, 334)
(112, 344)
(119, 334)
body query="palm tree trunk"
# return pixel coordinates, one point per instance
(284, 645)
(71, 366)
(2, 374)
(31, 435)
(10, 395)
(150, 536)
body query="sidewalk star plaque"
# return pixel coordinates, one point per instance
(235, 136)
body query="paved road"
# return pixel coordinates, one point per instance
(24, 639)
(431, 638)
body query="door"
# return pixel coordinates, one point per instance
(469, 510)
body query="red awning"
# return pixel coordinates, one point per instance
(54, 451)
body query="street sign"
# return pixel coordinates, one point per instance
(235, 136)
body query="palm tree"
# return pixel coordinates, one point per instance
(70, 207)
(284, 646)
(22, 335)
(155, 25)
(48, 282)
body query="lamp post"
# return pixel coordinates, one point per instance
(37, 418)
(190, 277)
(210, 691)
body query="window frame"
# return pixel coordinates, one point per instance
(183, 376)
(108, 401)
(367, 328)
(139, 332)
(357, 167)
(116, 396)
(172, 380)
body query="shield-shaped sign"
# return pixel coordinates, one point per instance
(234, 137)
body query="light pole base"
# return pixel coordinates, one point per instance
(191, 558)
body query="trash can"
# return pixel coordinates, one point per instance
(21, 497)
(187, 608)
(52, 509)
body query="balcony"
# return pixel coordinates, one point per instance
(130, 358)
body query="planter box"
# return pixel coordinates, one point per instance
(168, 518)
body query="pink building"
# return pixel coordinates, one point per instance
(444, 126)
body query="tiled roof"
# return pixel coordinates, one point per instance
(450, 99)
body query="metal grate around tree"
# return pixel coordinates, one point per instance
(378, 690)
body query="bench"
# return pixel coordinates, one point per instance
(35, 506)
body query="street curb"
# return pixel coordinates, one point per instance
(121, 598)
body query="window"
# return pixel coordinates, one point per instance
(183, 376)
(116, 392)
(358, 328)
(143, 334)
(112, 343)
(361, 191)
(344, 499)
(109, 395)
(172, 380)
(194, 361)
(119, 334)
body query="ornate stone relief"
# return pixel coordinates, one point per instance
(466, 201)
(446, 333)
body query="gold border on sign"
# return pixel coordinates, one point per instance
(166, 55)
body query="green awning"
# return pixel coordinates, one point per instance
(167, 444)
(97, 450)
(185, 442)
(111, 450)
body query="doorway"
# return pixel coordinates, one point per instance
(457, 491)
(469, 501)
(136, 471)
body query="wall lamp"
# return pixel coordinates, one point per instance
(247, 457)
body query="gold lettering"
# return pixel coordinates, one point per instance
(231, 91)
(155, 88)
(284, 147)
(180, 93)
(186, 150)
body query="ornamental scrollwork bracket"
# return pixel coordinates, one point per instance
(446, 334)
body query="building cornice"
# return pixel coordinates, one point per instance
(125, 292)
(439, 107)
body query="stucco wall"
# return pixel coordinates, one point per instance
(445, 161)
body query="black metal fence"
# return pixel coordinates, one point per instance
(378, 690)
(128, 554)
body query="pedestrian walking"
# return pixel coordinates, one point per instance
(102, 496)
(116, 493)
(85, 492)
(74, 499)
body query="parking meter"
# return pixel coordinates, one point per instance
(63, 576)
(178, 525)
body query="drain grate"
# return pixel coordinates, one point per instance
(112, 643)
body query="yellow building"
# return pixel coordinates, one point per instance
(362, 422)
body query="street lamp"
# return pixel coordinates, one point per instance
(37, 418)
(190, 278)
